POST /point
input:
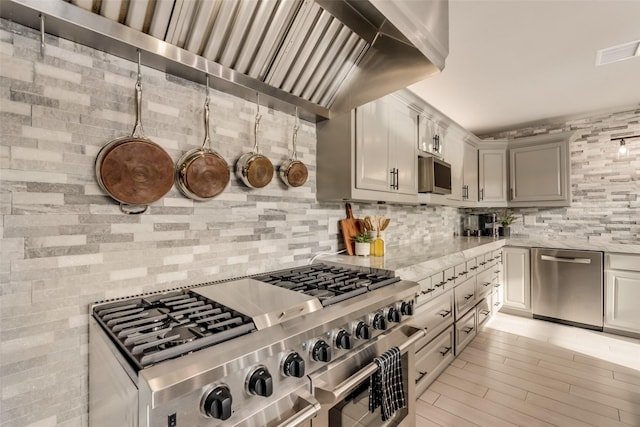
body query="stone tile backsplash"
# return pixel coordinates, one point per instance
(605, 189)
(65, 244)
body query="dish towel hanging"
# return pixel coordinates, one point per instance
(385, 386)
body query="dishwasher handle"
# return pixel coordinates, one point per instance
(565, 259)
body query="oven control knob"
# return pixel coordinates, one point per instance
(217, 404)
(321, 351)
(343, 340)
(379, 322)
(293, 365)
(362, 331)
(406, 308)
(261, 383)
(393, 315)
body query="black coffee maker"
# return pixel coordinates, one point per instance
(486, 224)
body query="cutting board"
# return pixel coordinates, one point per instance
(349, 228)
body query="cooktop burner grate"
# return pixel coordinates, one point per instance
(330, 284)
(154, 328)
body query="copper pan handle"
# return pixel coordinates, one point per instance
(133, 209)
(207, 139)
(138, 131)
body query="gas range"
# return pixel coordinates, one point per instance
(237, 352)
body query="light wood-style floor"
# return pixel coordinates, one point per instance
(527, 372)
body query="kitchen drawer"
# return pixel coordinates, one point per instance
(483, 311)
(484, 261)
(622, 262)
(472, 266)
(465, 330)
(426, 291)
(461, 272)
(432, 359)
(485, 282)
(435, 316)
(465, 296)
(450, 276)
(438, 283)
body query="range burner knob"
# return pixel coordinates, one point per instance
(293, 365)
(260, 382)
(379, 322)
(217, 404)
(321, 351)
(343, 340)
(362, 331)
(393, 315)
(406, 308)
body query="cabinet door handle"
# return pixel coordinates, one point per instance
(392, 178)
(445, 313)
(482, 194)
(397, 179)
(468, 330)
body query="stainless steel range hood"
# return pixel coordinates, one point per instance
(324, 56)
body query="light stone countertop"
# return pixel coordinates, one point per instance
(418, 261)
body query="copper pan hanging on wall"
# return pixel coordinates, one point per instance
(254, 169)
(134, 170)
(201, 173)
(293, 172)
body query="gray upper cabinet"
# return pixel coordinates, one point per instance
(492, 176)
(470, 173)
(369, 154)
(539, 171)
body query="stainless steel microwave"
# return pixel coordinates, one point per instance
(434, 176)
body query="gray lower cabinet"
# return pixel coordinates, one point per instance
(517, 281)
(622, 294)
(465, 331)
(433, 358)
(465, 296)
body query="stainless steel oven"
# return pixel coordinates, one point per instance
(241, 352)
(342, 388)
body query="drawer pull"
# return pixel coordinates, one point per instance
(468, 297)
(468, 330)
(474, 268)
(485, 312)
(439, 285)
(450, 279)
(497, 285)
(422, 375)
(483, 263)
(445, 313)
(497, 271)
(485, 284)
(427, 291)
(496, 304)
(463, 273)
(446, 350)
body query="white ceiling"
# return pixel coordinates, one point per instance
(518, 62)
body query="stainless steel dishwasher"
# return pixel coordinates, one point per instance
(566, 287)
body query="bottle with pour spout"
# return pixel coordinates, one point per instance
(378, 244)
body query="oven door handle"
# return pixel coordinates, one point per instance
(342, 389)
(310, 410)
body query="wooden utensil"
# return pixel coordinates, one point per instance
(349, 228)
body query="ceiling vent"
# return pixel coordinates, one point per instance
(618, 53)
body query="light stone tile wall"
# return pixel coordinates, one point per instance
(66, 244)
(605, 189)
